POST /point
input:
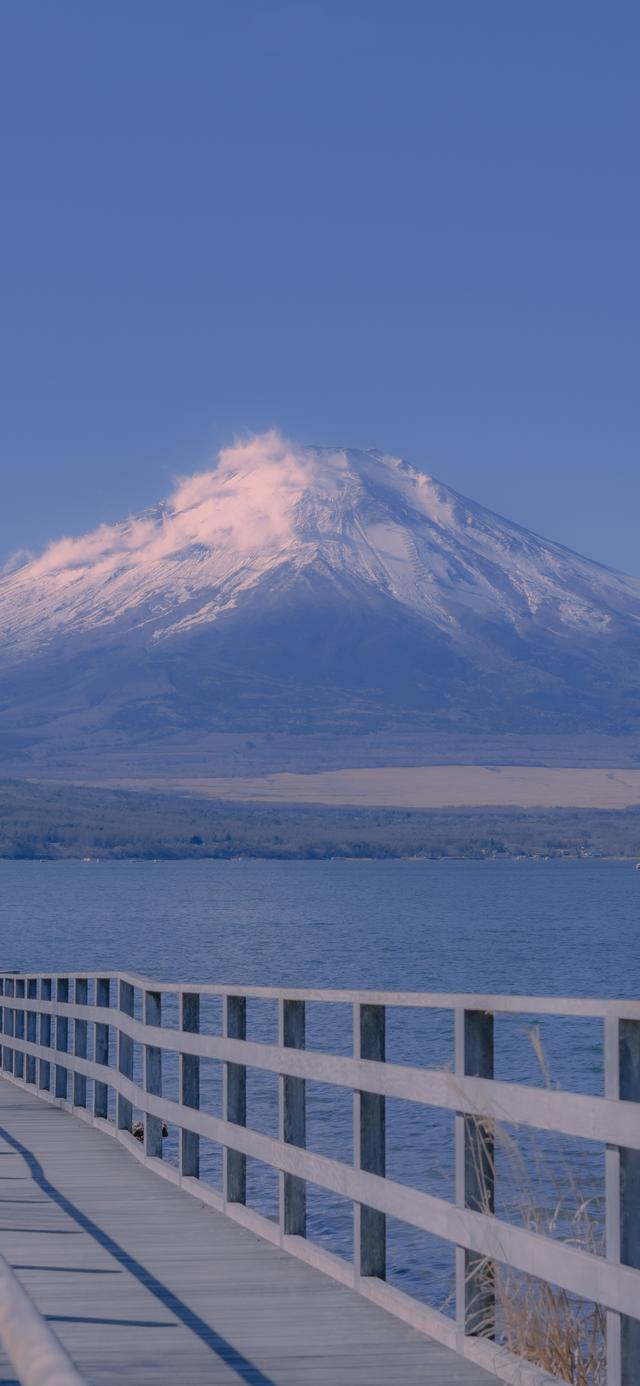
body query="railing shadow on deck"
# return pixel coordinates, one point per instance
(37, 1052)
(246, 1370)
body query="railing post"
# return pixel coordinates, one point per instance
(153, 1075)
(101, 1049)
(630, 1197)
(32, 1032)
(234, 1100)
(19, 1031)
(369, 1145)
(80, 996)
(622, 1174)
(7, 1050)
(612, 1195)
(124, 1106)
(189, 1091)
(44, 1066)
(475, 1175)
(62, 1037)
(292, 1125)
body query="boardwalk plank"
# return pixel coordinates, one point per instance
(146, 1286)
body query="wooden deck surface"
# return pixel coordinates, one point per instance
(143, 1284)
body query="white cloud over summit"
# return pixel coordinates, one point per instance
(245, 501)
(16, 560)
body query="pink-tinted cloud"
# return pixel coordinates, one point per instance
(247, 500)
(17, 560)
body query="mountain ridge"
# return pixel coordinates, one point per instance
(314, 590)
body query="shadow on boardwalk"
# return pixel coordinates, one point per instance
(111, 1254)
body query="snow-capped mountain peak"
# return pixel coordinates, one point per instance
(271, 507)
(311, 589)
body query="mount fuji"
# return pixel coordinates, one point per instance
(310, 591)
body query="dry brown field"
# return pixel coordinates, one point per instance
(415, 787)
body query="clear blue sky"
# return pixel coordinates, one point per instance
(410, 224)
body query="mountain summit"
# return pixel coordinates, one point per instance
(314, 589)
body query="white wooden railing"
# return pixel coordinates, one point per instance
(47, 1023)
(35, 1353)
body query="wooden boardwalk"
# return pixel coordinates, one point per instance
(143, 1284)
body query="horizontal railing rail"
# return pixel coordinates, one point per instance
(35, 1353)
(593, 1007)
(46, 1044)
(546, 1109)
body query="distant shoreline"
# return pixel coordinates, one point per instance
(58, 821)
(313, 861)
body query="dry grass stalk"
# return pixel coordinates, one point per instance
(535, 1320)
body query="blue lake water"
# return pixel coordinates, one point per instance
(550, 927)
(563, 928)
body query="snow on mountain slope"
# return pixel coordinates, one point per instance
(272, 512)
(308, 593)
